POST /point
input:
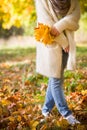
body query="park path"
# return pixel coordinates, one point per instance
(29, 41)
(18, 41)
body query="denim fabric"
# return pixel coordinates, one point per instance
(55, 93)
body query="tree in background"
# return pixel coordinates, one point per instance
(16, 13)
(83, 20)
(21, 14)
(83, 4)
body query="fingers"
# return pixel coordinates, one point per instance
(54, 31)
(66, 49)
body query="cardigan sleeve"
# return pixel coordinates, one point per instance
(70, 21)
(44, 16)
(42, 11)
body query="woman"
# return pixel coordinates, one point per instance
(63, 17)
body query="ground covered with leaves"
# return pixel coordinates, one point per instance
(22, 92)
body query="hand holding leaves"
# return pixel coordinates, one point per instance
(54, 31)
(43, 34)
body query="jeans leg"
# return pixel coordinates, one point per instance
(58, 96)
(49, 101)
(55, 94)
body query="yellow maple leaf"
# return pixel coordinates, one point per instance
(5, 102)
(1, 110)
(33, 124)
(42, 34)
(19, 118)
(11, 118)
(84, 92)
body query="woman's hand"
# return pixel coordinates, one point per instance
(54, 32)
(66, 49)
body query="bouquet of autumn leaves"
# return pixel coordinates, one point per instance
(42, 34)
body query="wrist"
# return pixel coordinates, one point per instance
(54, 32)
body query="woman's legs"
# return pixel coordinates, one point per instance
(49, 101)
(58, 96)
(55, 94)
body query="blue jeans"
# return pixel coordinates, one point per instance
(55, 93)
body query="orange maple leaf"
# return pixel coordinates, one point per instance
(42, 34)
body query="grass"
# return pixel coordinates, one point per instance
(81, 51)
(21, 81)
(17, 54)
(82, 57)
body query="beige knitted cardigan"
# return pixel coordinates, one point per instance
(49, 58)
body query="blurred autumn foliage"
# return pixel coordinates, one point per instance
(22, 92)
(19, 12)
(15, 12)
(22, 14)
